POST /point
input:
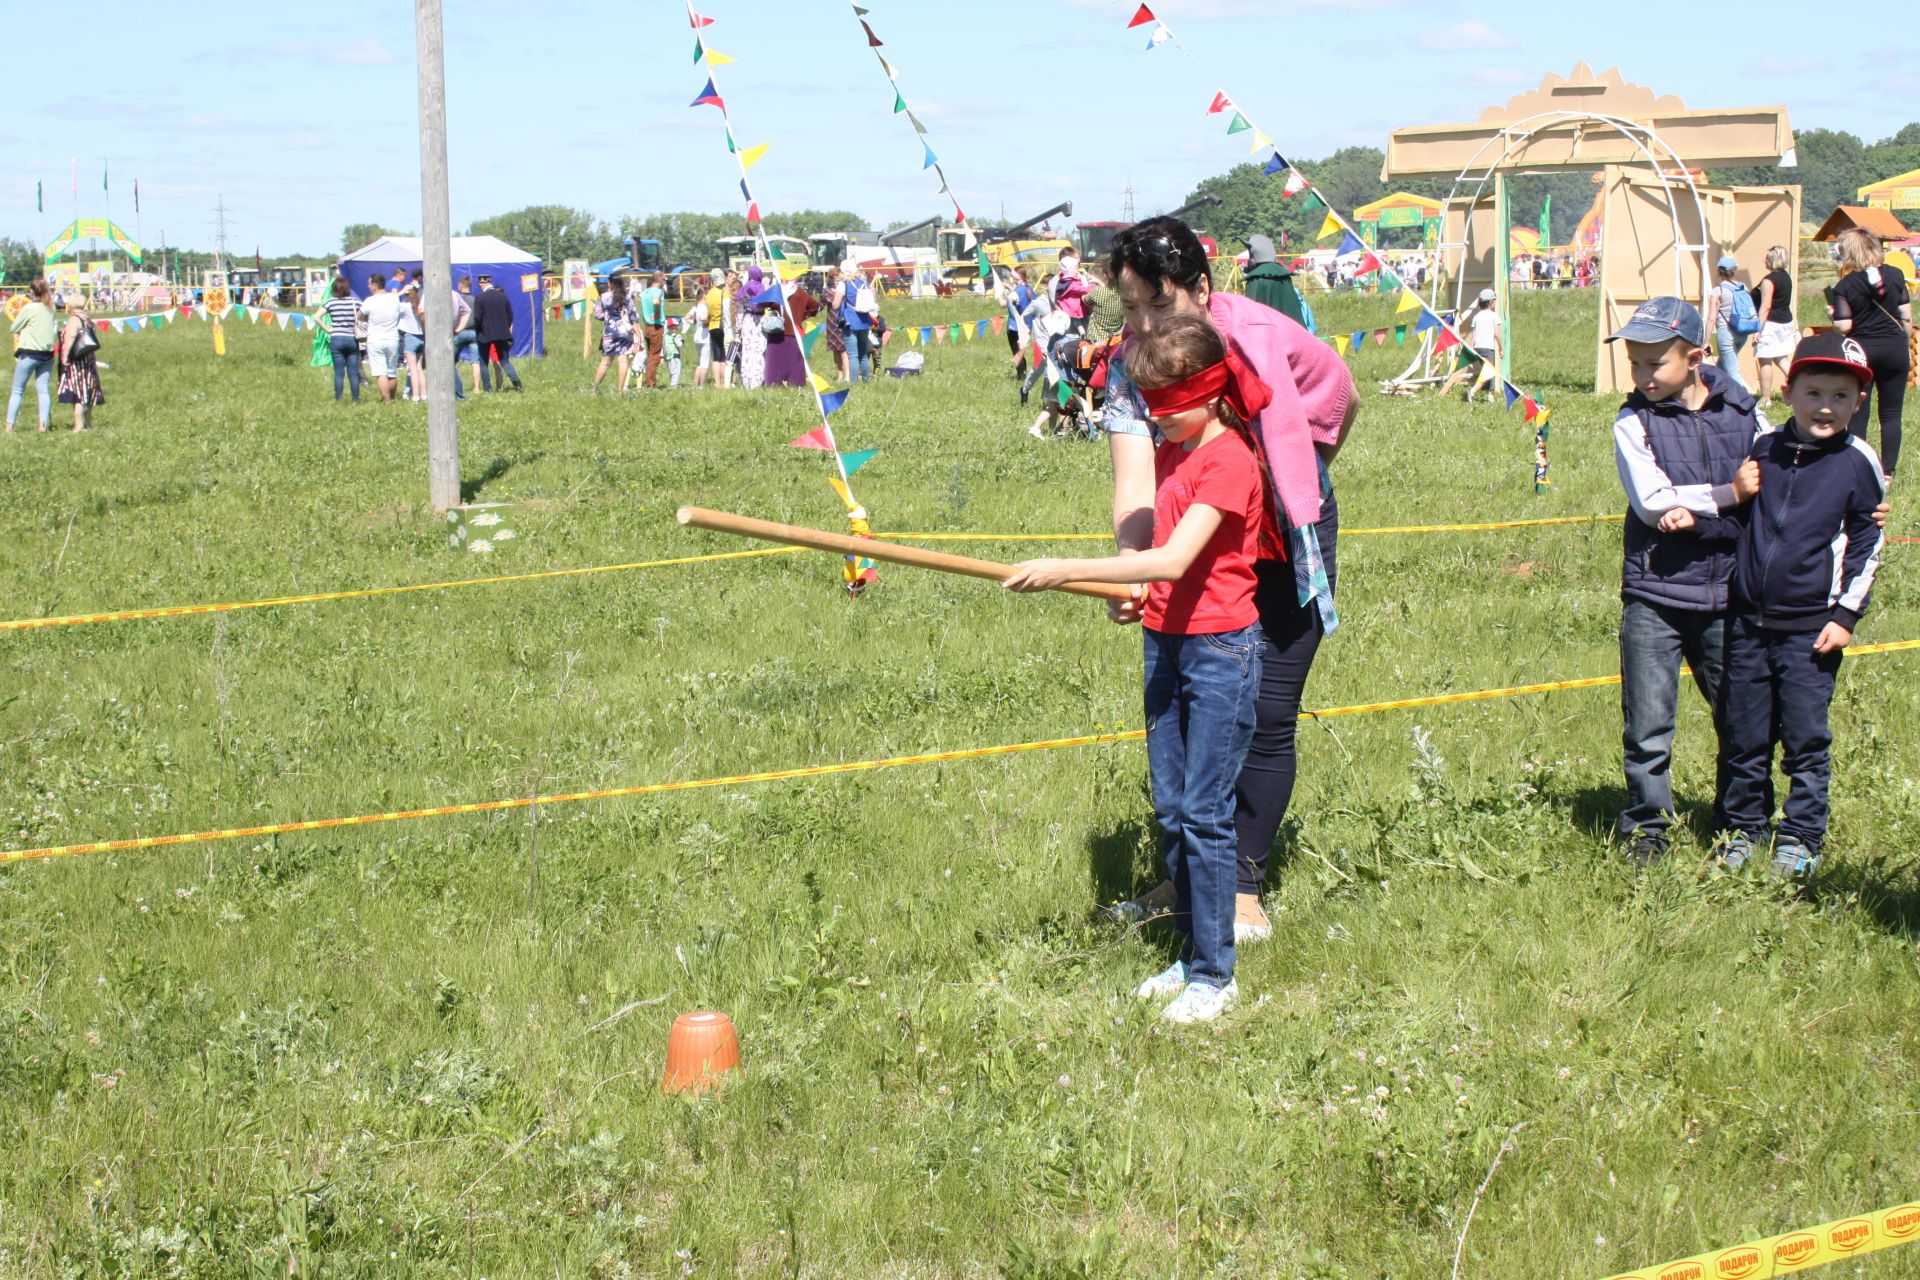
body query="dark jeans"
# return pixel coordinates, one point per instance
(492, 353)
(1778, 690)
(1200, 694)
(1890, 362)
(1265, 787)
(1653, 640)
(346, 363)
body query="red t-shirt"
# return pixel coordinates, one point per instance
(1217, 592)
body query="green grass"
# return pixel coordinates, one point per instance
(374, 1052)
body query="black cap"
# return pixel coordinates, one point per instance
(1823, 352)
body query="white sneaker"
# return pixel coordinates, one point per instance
(1168, 982)
(1035, 430)
(1201, 1002)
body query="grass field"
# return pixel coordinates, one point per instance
(386, 1051)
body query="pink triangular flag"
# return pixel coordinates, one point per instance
(814, 439)
(1220, 103)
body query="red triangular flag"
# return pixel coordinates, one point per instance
(1367, 264)
(697, 21)
(1143, 17)
(1220, 103)
(1531, 407)
(873, 41)
(753, 212)
(1379, 337)
(814, 439)
(1447, 340)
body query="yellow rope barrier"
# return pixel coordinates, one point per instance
(363, 593)
(779, 775)
(1795, 1251)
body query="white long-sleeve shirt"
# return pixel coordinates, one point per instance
(1650, 492)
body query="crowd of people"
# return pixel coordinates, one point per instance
(382, 337)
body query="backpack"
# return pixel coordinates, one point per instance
(1742, 316)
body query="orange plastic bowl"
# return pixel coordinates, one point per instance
(700, 1048)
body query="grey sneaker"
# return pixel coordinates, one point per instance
(1732, 850)
(1154, 904)
(1645, 850)
(1793, 861)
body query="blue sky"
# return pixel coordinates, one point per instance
(303, 116)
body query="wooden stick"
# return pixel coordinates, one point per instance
(891, 553)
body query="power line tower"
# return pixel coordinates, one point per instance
(220, 234)
(1126, 208)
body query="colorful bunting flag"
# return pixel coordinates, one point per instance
(926, 333)
(715, 59)
(1367, 265)
(1340, 343)
(931, 160)
(1359, 339)
(814, 439)
(854, 461)
(1159, 37)
(1447, 341)
(1530, 408)
(1296, 183)
(1275, 165)
(831, 402)
(953, 333)
(751, 156)
(1379, 337)
(1239, 124)
(1399, 335)
(899, 103)
(708, 98)
(1427, 321)
(913, 337)
(808, 337)
(1220, 103)
(1330, 227)
(1512, 392)
(1142, 17)
(696, 20)
(1350, 243)
(1409, 301)
(893, 72)
(820, 384)
(873, 41)
(1260, 142)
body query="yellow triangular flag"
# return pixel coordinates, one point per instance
(219, 339)
(1340, 344)
(751, 156)
(1260, 141)
(913, 337)
(791, 271)
(1409, 301)
(717, 59)
(966, 331)
(809, 327)
(819, 383)
(1331, 227)
(846, 495)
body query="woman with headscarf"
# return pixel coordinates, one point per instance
(751, 339)
(786, 362)
(1161, 270)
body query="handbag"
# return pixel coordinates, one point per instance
(84, 343)
(773, 323)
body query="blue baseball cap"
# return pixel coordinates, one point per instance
(1662, 320)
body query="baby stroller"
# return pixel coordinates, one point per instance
(1079, 394)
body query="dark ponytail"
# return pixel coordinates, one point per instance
(1161, 252)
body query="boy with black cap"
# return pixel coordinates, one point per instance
(1681, 443)
(1802, 576)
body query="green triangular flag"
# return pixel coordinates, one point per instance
(730, 143)
(774, 249)
(699, 49)
(1399, 335)
(1239, 124)
(1062, 394)
(899, 103)
(986, 272)
(854, 461)
(808, 339)
(953, 333)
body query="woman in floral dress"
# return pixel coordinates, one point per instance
(617, 319)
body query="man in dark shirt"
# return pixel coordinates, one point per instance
(493, 318)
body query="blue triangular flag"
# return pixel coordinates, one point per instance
(1359, 336)
(1275, 165)
(769, 296)
(1350, 243)
(708, 97)
(980, 328)
(744, 193)
(854, 461)
(1512, 394)
(1428, 320)
(926, 334)
(830, 403)
(932, 159)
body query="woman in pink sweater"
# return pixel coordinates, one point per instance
(1161, 270)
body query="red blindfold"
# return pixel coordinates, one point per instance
(1230, 380)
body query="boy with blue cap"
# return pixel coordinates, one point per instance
(1681, 444)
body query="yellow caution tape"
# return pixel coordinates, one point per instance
(1795, 1251)
(780, 775)
(361, 593)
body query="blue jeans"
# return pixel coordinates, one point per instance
(1201, 693)
(346, 363)
(466, 346)
(859, 355)
(1653, 641)
(1729, 357)
(1778, 690)
(35, 369)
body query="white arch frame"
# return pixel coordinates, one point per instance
(1517, 135)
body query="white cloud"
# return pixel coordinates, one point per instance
(1463, 37)
(1788, 66)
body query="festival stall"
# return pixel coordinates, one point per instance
(516, 271)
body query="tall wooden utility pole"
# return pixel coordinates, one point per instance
(443, 430)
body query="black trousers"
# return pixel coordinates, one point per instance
(1265, 788)
(1891, 364)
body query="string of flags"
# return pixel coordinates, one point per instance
(929, 160)
(173, 315)
(1446, 334)
(858, 572)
